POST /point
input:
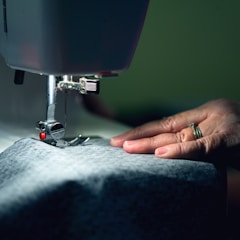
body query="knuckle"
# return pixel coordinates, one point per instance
(153, 142)
(168, 123)
(180, 150)
(181, 137)
(205, 145)
(137, 132)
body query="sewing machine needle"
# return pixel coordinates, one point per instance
(51, 98)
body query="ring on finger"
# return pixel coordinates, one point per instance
(196, 130)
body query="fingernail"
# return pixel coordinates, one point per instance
(116, 140)
(161, 151)
(115, 137)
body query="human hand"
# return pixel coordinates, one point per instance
(172, 137)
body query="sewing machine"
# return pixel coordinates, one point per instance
(75, 43)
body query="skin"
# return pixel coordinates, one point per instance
(172, 138)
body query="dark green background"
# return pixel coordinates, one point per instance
(188, 53)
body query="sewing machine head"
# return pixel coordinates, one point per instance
(73, 42)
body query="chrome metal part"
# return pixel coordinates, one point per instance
(54, 135)
(51, 98)
(80, 140)
(84, 85)
(52, 131)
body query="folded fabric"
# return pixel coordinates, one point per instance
(96, 191)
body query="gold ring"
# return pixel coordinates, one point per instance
(196, 130)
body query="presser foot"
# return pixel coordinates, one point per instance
(62, 143)
(53, 134)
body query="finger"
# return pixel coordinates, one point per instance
(200, 149)
(187, 150)
(144, 131)
(170, 124)
(148, 145)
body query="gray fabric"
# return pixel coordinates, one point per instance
(100, 192)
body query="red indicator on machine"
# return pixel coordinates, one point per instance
(42, 136)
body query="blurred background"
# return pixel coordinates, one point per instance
(189, 53)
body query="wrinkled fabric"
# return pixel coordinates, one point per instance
(97, 191)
